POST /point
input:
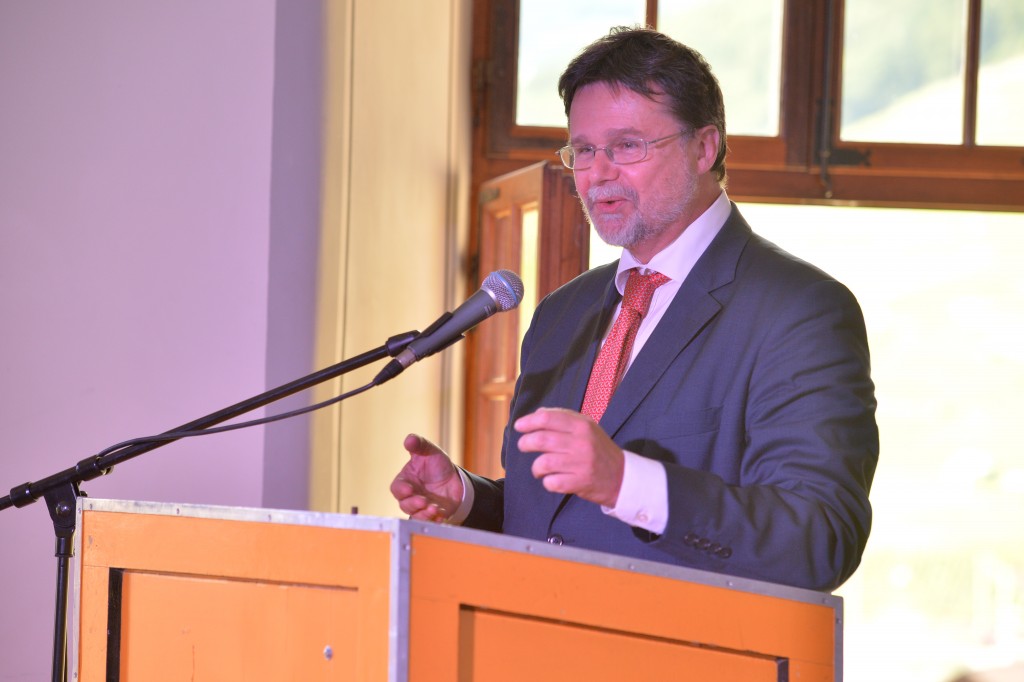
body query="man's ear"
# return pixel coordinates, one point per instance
(708, 140)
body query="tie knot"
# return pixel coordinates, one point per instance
(640, 290)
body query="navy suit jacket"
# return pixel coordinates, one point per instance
(754, 391)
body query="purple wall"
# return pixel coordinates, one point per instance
(159, 173)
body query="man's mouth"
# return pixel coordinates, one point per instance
(607, 201)
(607, 205)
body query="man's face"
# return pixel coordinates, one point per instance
(641, 206)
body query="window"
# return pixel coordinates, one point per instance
(916, 103)
(941, 588)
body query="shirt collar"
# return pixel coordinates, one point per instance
(677, 259)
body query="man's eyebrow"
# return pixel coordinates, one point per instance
(613, 134)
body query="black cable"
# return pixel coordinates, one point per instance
(175, 435)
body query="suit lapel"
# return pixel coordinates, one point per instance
(585, 332)
(693, 307)
(572, 389)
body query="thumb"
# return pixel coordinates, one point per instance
(418, 445)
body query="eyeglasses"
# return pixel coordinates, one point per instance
(626, 150)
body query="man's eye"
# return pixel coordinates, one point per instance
(628, 145)
(584, 150)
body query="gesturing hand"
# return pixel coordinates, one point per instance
(576, 456)
(428, 488)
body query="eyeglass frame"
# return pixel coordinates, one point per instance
(570, 149)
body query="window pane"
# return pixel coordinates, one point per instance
(903, 71)
(746, 58)
(550, 35)
(528, 266)
(941, 589)
(1001, 77)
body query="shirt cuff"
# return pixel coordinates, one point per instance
(643, 497)
(466, 505)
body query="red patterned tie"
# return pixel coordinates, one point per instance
(614, 355)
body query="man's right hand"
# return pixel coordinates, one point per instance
(428, 488)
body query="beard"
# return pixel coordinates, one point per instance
(649, 219)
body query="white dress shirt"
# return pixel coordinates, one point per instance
(643, 497)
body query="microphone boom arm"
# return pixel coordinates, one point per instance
(61, 489)
(96, 466)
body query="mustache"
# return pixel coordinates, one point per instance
(604, 192)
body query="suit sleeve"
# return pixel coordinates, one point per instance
(798, 512)
(488, 511)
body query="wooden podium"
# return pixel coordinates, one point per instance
(185, 592)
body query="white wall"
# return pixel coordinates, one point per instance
(159, 203)
(202, 200)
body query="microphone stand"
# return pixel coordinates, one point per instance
(61, 490)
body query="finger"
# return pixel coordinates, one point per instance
(438, 513)
(414, 444)
(432, 512)
(546, 441)
(559, 483)
(401, 488)
(543, 418)
(414, 504)
(552, 419)
(545, 465)
(417, 445)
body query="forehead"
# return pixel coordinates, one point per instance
(602, 109)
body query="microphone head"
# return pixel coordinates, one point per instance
(505, 287)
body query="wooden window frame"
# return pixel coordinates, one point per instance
(795, 166)
(792, 167)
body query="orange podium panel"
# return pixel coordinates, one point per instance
(188, 592)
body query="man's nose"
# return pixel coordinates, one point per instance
(603, 168)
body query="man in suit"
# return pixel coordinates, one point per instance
(741, 438)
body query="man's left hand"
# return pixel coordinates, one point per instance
(576, 456)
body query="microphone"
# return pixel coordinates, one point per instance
(502, 290)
